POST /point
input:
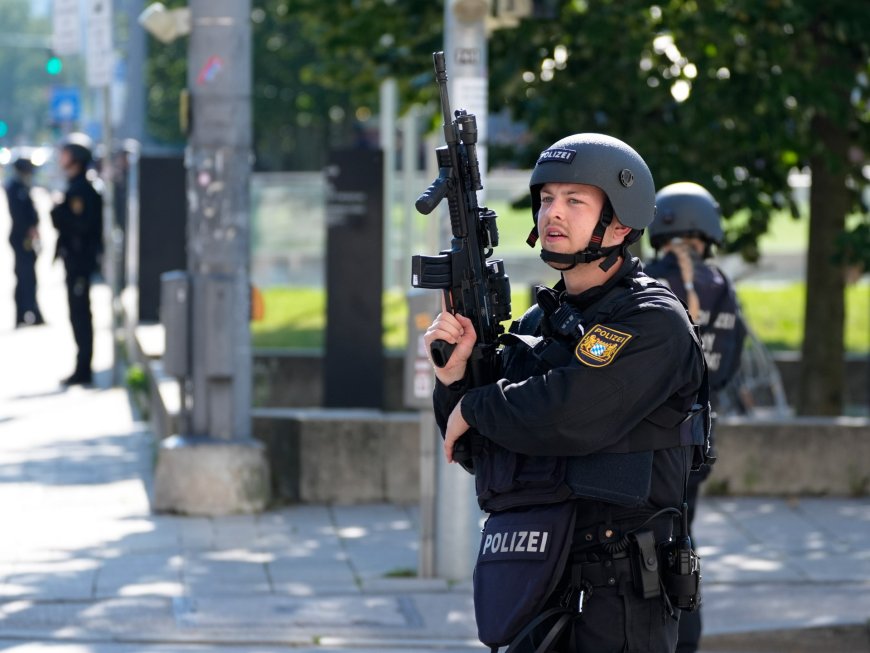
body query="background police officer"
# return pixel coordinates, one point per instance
(588, 415)
(24, 239)
(78, 219)
(686, 229)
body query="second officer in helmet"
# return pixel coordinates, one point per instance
(583, 447)
(687, 228)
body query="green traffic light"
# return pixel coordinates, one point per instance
(4, 128)
(53, 66)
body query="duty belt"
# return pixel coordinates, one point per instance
(589, 540)
(637, 563)
(604, 573)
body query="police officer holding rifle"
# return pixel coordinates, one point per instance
(588, 415)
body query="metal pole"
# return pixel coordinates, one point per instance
(429, 451)
(410, 183)
(457, 515)
(233, 476)
(111, 236)
(218, 161)
(388, 111)
(133, 125)
(420, 397)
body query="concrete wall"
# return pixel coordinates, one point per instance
(357, 456)
(353, 456)
(341, 455)
(857, 377)
(801, 456)
(294, 379)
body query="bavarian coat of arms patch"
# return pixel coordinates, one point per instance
(600, 345)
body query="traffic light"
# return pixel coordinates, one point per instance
(54, 65)
(4, 128)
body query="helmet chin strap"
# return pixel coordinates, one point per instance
(593, 251)
(586, 256)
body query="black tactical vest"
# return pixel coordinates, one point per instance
(722, 328)
(620, 474)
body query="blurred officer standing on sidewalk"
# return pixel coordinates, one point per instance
(78, 218)
(686, 228)
(24, 239)
(581, 451)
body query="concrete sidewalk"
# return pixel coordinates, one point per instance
(85, 567)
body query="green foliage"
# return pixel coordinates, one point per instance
(722, 92)
(165, 78)
(318, 65)
(853, 246)
(755, 74)
(24, 76)
(136, 379)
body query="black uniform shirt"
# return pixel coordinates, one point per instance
(629, 363)
(79, 223)
(21, 210)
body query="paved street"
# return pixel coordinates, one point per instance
(85, 567)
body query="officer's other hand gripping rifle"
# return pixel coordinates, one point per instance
(472, 286)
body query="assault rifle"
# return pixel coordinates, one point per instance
(473, 286)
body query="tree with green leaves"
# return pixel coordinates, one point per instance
(25, 76)
(318, 65)
(731, 94)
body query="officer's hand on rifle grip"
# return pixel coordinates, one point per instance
(440, 352)
(458, 331)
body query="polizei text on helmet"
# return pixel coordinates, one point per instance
(557, 155)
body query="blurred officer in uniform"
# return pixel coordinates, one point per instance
(591, 428)
(686, 229)
(24, 239)
(78, 219)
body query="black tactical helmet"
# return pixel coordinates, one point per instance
(686, 209)
(80, 147)
(611, 165)
(602, 161)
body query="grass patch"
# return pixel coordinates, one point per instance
(136, 380)
(296, 317)
(293, 318)
(776, 314)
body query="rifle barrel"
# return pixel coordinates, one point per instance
(441, 80)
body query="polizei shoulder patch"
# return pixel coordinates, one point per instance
(600, 345)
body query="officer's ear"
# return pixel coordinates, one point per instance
(620, 231)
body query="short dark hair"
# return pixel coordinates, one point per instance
(23, 165)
